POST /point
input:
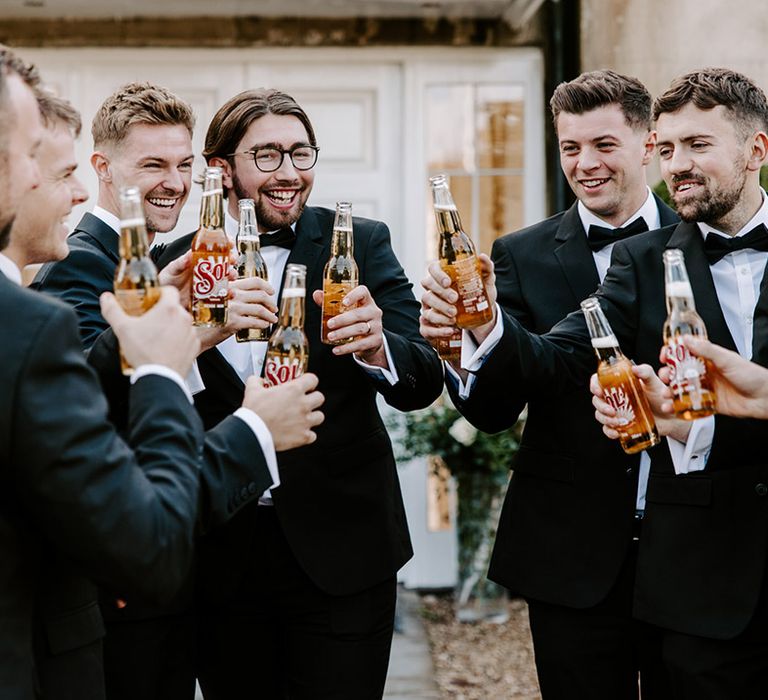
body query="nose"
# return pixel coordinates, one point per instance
(678, 162)
(588, 160)
(174, 181)
(79, 193)
(286, 169)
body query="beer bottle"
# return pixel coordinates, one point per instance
(137, 288)
(691, 381)
(249, 262)
(340, 274)
(449, 349)
(621, 388)
(210, 257)
(458, 259)
(288, 349)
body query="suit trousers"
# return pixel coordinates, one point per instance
(280, 637)
(722, 669)
(597, 653)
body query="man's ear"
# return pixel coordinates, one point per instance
(650, 147)
(100, 164)
(226, 170)
(758, 151)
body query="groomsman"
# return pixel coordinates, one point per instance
(75, 497)
(568, 534)
(704, 548)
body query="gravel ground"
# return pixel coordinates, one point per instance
(481, 661)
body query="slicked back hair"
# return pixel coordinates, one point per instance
(602, 88)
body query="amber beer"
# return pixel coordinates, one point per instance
(250, 263)
(210, 257)
(693, 395)
(137, 288)
(288, 349)
(621, 388)
(458, 260)
(449, 349)
(340, 275)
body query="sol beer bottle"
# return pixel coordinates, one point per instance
(288, 349)
(621, 388)
(692, 393)
(340, 275)
(249, 262)
(458, 259)
(210, 256)
(137, 288)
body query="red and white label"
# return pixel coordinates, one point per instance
(618, 399)
(209, 278)
(687, 370)
(277, 371)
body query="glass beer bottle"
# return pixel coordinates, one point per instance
(340, 275)
(621, 388)
(288, 349)
(137, 288)
(449, 348)
(210, 257)
(249, 262)
(458, 259)
(692, 393)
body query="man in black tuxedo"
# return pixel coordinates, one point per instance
(77, 500)
(300, 588)
(566, 540)
(704, 546)
(142, 135)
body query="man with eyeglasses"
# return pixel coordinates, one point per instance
(297, 594)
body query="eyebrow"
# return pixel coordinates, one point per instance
(279, 146)
(603, 137)
(687, 139)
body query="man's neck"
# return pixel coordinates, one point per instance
(107, 206)
(16, 256)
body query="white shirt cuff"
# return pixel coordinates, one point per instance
(472, 355)
(194, 380)
(389, 372)
(260, 430)
(163, 371)
(692, 455)
(464, 390)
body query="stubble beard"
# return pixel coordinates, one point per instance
(713, 206)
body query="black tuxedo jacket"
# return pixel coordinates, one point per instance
(339, 502)
(704, 545)
(566, 522)
(71, 488)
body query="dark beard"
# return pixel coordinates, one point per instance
(264, 219)
(711, 207)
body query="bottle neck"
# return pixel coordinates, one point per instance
(212, 210)
(133, 241)
(448, 221)
(341, 243)
(609, 354)
(292, 308)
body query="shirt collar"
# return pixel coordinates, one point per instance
(649, 211)
(761, 217)
(9, 269)
(108, 218)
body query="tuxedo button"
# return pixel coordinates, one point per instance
(251, 488)
(244, 493)
(629, 470)
(761, 490)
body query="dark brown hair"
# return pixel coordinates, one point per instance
(601, 88)
(56, 110)
(711, 87)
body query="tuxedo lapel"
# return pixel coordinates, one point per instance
(102, 235)
(687, 237)
(308, 249)
(760, 328)
(667, 215)
(575, 257)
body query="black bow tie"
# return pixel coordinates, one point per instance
(284, 238)
(599, 236)
(717, 247)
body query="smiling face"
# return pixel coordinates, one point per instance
(710, 169)
(156, 158)
(40, 231)
(604, 160)
(280, 196)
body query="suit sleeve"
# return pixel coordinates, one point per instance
(79, 280)
(420, 372)
(126, 516)
(495, 404)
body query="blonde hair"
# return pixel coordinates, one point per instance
(138, 103)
